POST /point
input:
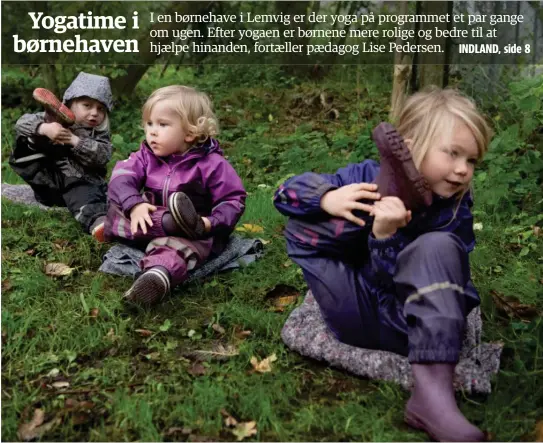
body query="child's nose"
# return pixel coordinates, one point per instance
(461, 168)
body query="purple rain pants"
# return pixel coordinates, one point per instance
(177, 254)
(423, 316)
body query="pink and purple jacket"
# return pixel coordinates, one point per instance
(202, 173)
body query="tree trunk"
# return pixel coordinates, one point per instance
(402, 72)
(292, 8)
(125, 84)
(50, 80)
(433, 66)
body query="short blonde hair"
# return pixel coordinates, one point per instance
(192, 106)
(433, 113)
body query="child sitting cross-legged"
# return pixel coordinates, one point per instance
(177, 198)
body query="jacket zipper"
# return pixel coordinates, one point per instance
(167, 182)
(165, 189)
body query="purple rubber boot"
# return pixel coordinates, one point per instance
(398, 175)
(432, 406)
(150, 287)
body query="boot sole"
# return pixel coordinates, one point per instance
(414, 422)
(180, 199)
(141, 288)
(50, 102)
(392, 147)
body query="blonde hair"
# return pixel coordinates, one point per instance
(192, 106)
(433, 113)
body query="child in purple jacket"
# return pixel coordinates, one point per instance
(393, 273)
(177, 198)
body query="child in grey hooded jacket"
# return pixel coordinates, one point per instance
(62, 153)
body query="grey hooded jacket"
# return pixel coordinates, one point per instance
(88, 159)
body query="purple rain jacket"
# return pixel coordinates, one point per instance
(202, 173)
(299, 198)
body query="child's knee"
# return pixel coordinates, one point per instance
(436, 246)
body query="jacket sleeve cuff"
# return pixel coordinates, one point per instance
(393, 241)
(214, 221)
(315, 202)
(130, 202)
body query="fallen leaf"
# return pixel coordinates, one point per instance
(539, 431)
(58, 269)
(264, 242)
(6, 285)
(60, 384)
(35, 428)
(30, 252)
(217, 352)
(53, 372)
(229, 421)
(537, 231)
(218, 328)
(513, 307)
(144, 332)
(86, 404)
(111, 335)
(282, 296)
(285, 301)
(246, 227)
(197, 369)
(477, 226)
(244, 430)
(264, 365)
(93, 313)
(61, 244)
(70, 403)
(241, 334)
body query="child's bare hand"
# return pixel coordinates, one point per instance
(54, 132)
(343, 201)
(390, 215)
(207, 224)
(68, 138)
(139, 217)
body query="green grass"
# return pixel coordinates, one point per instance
(141, 387)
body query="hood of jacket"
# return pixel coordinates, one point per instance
(90, 85)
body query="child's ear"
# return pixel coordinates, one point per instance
(409, 143)
(189, 138)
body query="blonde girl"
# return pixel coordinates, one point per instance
(384, 248)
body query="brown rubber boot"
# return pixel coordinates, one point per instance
(398, 175)
(54, 107)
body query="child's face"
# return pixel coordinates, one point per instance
(164, 131)
(88, 112)
(448, 167)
